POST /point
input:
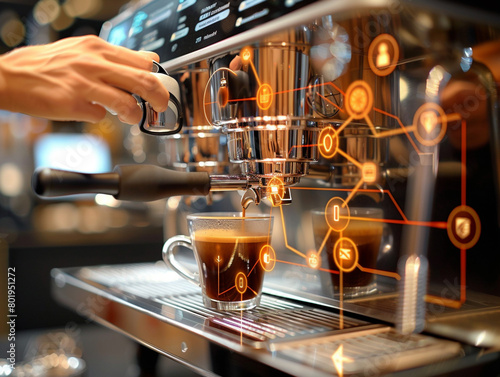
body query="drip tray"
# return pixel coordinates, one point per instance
(154, 306)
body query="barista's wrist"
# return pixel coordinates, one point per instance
(3, 87)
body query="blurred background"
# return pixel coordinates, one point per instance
(35, 235)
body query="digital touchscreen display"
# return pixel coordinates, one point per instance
(176, 28)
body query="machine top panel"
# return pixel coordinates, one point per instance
(176, 28)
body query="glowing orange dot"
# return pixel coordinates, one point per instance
(369, 172)
(430, 124)
(275, 191)
(313, 259)
(241, 282)
(383, 54)
(359, 99)
(328, 142)
(264, 96)
(267, 258)
(246, 54)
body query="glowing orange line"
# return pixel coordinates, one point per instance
(358, 185)
(284, 234)
(243, 99)
(341, 306)
(464, 167)
(258, 261)
(317, 85)
(335, 87)
(396, 205)
(252, 291)
(330, 271)
(402, 126)
(443, 301)
(295, 264)
(370, 124)
(349, 158)
(324, 241)
(395, 132)
(362, 190)
(255, 72)
(379, 272)
(463, 260)
(451, 117)
(430, 224)
(344, 125)
(306, 145)
(270, 223)
(292, 90)
(327, 189)
(327, 100)
(227, 290)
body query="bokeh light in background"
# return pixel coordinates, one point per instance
(21, 21)
(85, 9)
(12, 29)
(46, 11)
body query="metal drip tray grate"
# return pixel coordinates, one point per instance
(369, 352)
(152, 304)
(275, 320)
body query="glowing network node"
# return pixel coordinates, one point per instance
(267, 258)
(246, 54)
(369, 172)
(464, 227)
(383, 54)
(430, 124)
(345, 254)
(313, 260)
(328, 142)
(275, 191)
(359, 99)
(337, 214)
(241, 282)
(264, 96)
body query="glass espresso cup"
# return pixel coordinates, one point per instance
(231, 254)
(352, 251)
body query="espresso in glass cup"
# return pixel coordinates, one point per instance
(231, 253)
(352, 251)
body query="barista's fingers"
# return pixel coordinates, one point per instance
(236, 63)
(136, 59)
(86, 112)
(117, 102)
(144, 84)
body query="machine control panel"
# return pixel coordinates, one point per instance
(177, 27)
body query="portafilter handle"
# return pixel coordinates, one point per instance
(126, 182)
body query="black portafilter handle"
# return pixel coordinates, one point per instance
(126, 182)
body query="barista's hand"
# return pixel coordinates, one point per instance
(76, 78)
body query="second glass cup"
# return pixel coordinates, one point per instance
(231, 254)
(353, 251)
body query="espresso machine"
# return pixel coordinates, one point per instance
(296, 108)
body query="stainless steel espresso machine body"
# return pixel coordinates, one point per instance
(381, 115)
